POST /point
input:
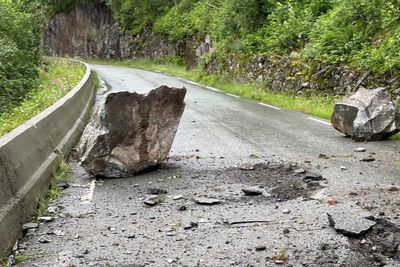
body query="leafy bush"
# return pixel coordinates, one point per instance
(362, 33)
(19, 54)
(54, 81)
(136, 14)
(59, 6)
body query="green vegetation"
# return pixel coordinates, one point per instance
(321, 106)
(362, 33)
(21, 258)
(19, 53)
(61, 174)
(55, 79)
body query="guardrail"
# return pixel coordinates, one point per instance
(30, 153)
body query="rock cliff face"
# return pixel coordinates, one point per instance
(90, 31)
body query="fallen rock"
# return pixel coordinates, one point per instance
(286, 211)
(367, 115)
(156, 191)
(187, 225)
(261, 248)
(45, 219)
(252, 191)
(131, 132)
(62, 185)
(349, 223)
(28, 226)
(152, 200)
(313, 176)
(360, 149)
(207, 201)
(393, 189)
(299, 171)
(177, 197)
(369, 159)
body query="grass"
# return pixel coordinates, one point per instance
(23, 258)
(395, 137)
(97, 82)
(320, 106)
(56, 79)
(60, 174)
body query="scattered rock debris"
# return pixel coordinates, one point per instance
(213, 208)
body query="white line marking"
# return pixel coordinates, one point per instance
(266, 105)
(320, 121)
(213, 89)
(89, 195)
(233, 95)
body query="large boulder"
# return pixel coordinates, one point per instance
(131, 132)
(367, 115)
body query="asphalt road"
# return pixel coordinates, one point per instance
(105, 223)
(219, 124)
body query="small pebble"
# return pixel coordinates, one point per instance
(177, 197)
(286, 211)
(360, 149)
(261, 248)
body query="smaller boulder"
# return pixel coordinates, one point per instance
(367, 115)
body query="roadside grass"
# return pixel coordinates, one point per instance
(21, 258)
(395, 137)
(97, 82)
(61, 174)
(57, 77)
(316, 105)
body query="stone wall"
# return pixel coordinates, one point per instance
(292, 74)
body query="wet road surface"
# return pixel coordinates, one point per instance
(105, 223)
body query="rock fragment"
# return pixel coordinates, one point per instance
(313, 176)
(28, 226)
(360, 149)
(131, 132)
(187, 225)
(349, 223)
(207, 201)
(286, 211)
(152, 200)
(45, 219)
(299, 171)
(252, 191)
(261, 248)
(156, 191)
(369, 159)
